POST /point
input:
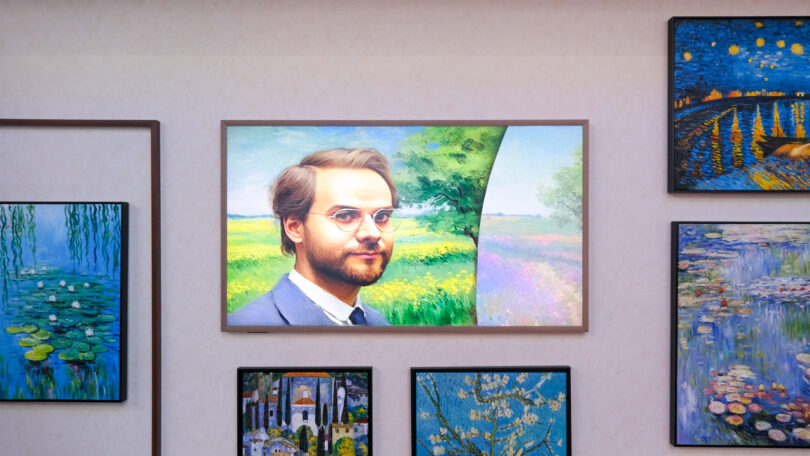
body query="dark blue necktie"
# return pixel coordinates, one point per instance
(357, 317)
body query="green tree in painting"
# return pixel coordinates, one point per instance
(303, 438)
(565, 196)
(447, 168)
(317, 401)
(345, 447)
(279, 395)
(321, 439)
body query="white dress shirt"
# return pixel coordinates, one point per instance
(335, 309)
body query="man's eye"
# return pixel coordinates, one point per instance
(382, 217)
(345, 216)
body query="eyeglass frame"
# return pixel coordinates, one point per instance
(361, 219)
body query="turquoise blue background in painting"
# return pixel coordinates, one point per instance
(457, 410)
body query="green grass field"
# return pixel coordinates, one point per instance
(429, 281)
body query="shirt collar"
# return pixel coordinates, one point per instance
(337, 310)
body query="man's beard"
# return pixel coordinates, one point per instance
(338, 269)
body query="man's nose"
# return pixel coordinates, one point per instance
(368, 229)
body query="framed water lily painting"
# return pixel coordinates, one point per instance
(491, 410)
(740, 326)
(315, 411)
(63, 268)
(738, 94)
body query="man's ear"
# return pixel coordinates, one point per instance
(294, 228)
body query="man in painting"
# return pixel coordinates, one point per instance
(336, 209)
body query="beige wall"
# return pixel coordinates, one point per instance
(192, 64)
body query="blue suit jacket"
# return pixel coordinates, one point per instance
(287, 305)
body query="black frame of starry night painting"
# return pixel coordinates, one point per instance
(737, 123)
(273, 414)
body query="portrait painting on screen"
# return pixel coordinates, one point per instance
(405, 225)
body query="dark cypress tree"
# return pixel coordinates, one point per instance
(335, 386)
(320, 451)
(303, 440)
(325, 414)
(288, 405)
(279, 410)
(317, 401)
(266, 424)
(255, 415)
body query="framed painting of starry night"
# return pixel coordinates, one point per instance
(321, 411)
(738, 94)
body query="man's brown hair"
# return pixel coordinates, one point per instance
(292, 193)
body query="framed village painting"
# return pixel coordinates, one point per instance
(63, 304)
(740, 354)
(304, 411)
(502, 410)
(738, 93)
(404, 225)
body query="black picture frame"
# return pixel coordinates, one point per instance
(737, 361)
(255, 422)
(432, 425)
(721, 135)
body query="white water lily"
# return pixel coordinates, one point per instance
(51, 298)
(86, 285)
(52, 317)
(40, 285)
(61, 283)
(70, 288)
(76, 305)
(89, 332)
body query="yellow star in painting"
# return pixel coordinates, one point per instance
(687, 56)
(760, 42)
(797, 49)
(758, 24)
(733, 49)
(780, 43)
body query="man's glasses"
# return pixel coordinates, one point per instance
(349, 220)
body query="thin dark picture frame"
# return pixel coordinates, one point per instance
(581, 328)
(672, 186)
(674, 360)
(241, 371)
(153, 127)
(489, 369)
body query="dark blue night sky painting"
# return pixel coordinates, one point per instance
(740, 88)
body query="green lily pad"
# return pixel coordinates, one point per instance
(105, 318)
(80, 347)
(110, 340)
(62, 343)
(90, 312)
(43, 348)
(103, 327)
(69, 355)
(94, 340)
(42, 334)
(14, 330)
(66, 322)
(74, 334)
(34, 355)
(30, 328)
(29, 342)
(99, 348)
(88, 356)
(87, 321)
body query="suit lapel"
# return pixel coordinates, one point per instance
(295, 307)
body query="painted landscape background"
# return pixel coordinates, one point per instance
(491, 412)
(442, 175)
(304, 413)
(60, 301)
(743, 356)
(740, 96)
